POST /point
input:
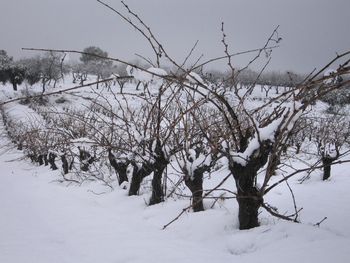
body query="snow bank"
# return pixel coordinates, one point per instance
(45, 222)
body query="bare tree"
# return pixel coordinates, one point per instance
(94, 62)
(252, 136)
(331, 135)
(255, 135)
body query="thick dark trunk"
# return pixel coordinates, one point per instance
(247, 196)
(20, 147)
(119, 167)
(196, 188)
(249, 204)
(85, 160)
(158, 168)
(40, 159)
(70, 166)
(51, 161)
(136, 181)
(14, 84)
(137, 176)
(157, 189)
(327, 163)
(84, 166)
(46, 161)
(65, 165)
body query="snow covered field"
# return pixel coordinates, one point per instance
(43, 221)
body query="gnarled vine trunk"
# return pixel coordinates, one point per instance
(51, 161)
(85, 160)
(157, 189)
(327, 164)
(119, 167)
(137, 176)
(327, 160)
(65, 165)
(248, 197)
(195, 184)
(158, 167)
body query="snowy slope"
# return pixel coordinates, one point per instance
(43, 221)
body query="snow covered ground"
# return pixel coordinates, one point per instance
(43, 221)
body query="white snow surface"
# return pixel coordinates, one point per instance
(43, 221)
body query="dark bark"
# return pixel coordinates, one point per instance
(327, 163)
(46, 161)
(195, 181)
(137, 176)
(248, 197)
(70, 166)
(85, 160)
(65, 165)
(20, 147)
(40, 159)
(157, 189)
(121, 84)
(74, 78)
(44, 85)
(84, 166)
(119, 167)
(51, 161)
(159, 166)
(138, 85)
(249, 203)
(83, 78)
(195, 185)
(98, 79)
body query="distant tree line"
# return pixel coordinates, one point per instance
(49, 68)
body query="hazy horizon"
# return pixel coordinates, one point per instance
(312, 31)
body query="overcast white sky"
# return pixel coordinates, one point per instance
(312, 30)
